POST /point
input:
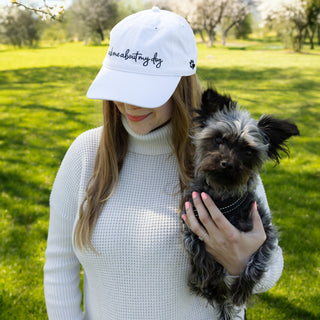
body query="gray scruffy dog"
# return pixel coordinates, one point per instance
(230, 149)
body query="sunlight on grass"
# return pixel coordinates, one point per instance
(43, 108)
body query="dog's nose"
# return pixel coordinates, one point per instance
(225, 164)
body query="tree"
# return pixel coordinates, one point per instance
(235, 13)
(125, 7)
(244, 28)
(95, 16)
(290, 16)
(21, 27)
(206, 15)
(203, 15)
(313, 20)
(41, 8)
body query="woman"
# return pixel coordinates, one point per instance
(115, 201)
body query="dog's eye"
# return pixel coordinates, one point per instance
(218, 140)
(249, 153)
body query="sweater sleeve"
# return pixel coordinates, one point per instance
(273, 274)
(61, 270)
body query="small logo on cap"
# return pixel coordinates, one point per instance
(192, 64)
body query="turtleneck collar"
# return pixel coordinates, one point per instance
(154, 143)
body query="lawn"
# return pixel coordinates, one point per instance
(43, 108)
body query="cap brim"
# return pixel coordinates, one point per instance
(147, 91)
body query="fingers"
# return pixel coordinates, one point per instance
(257, 222)
(228, 245)
(218, 218)
(193, 223)
(203, 213)
(213, 221)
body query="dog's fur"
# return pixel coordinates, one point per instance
(231, 148)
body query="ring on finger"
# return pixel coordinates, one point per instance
(201, 238)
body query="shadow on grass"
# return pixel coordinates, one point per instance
(67, 112)
(40, 118)
(17, 185)
(286, 308)
(297, 192)
(49, 129)
(34, 133)
(279, 79)
(291, 94)
(47, 75)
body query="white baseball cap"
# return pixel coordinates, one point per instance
(148, 53)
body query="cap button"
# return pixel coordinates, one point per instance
(155, 9)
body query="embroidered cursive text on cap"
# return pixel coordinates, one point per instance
(137, 57)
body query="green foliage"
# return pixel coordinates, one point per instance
(60, 31)
(21, 28)
(243, 29)
(313, 14)
(94, 17)
(43, 108)
(126, 8)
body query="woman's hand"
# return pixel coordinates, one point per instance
(229, 246)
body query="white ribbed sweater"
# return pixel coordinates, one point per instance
(141, 270)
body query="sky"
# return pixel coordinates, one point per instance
(49, 2)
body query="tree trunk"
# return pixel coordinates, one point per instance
(202, 36)
(311, 37)
(301, 38)
(225, 32)
(211, 36)
(100, 32)
(298, 39)
(224, 38)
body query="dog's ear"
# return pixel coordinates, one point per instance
(276, 132)
(212, 102)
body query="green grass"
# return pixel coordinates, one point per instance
(43, 108)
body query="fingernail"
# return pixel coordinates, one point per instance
(204, 196)
(194, 194)
(184, 218)
(255, 206)
(187, 205)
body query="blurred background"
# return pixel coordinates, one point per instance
(295, 23)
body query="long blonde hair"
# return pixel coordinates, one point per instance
(113, 148)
